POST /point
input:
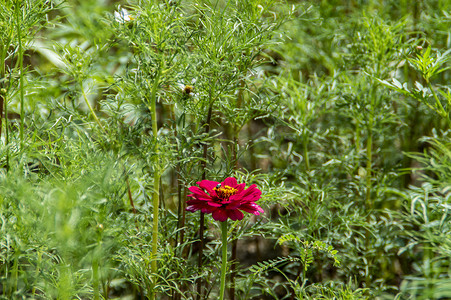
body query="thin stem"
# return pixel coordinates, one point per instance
(235, 143)
(369, 163)
(156, 177)
(15, 273)
(224, 259)
(130, 198)
(96, 282)
(305, 141)
(21, 90)
(233, 268)
(2, 100)
(442, 110)
(177, 178)
(129, 194)
(368, 202)
(2, 89)
(38, 269)
(180, 204)
(201, 253)
(369, 147)
(357, 137)
(6, 133)
(90, 107)
(202, 217)
(3, 97)
(182, 222)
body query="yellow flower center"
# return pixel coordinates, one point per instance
(224, 192)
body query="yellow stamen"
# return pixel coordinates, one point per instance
(225, 192)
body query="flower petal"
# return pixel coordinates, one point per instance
(235, 214)
(234, 204)
(251, 194)
(240, 187)
(230, 181)
(208, 185)
(203, 202)
(219, 215)
(195, 205)
(252, 208)
(199, 194)
(205, 199)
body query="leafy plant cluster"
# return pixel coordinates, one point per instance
(339, 111)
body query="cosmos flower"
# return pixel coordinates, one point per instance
(123, 16)
(188, 89)
(224, 199)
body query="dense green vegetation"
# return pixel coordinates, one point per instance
(339, 112)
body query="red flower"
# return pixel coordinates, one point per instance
(224, 200)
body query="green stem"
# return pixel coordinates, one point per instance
(202, 217)
(357, 138)
(156, 177)
(305, 139)
(2, 89)
(369, 147)
(19, 37)
(369, 163)
(224, 259)
(90, 107)
(95, 275)
(15, 273)
(6, 132)
(442, 111)
(38, 267)
(235, 146)
(2, 100)
(3, 95)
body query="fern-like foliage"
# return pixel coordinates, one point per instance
(262, 267)
(306, 248)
